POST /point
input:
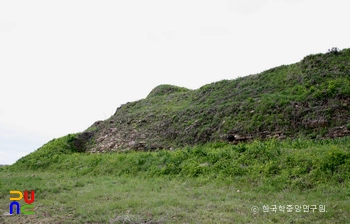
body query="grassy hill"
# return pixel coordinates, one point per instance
(310, 98)
(217, 154)
(306, 100)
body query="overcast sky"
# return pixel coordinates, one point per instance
(65, 64)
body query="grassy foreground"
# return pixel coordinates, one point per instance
(62, 198)
(214, 183)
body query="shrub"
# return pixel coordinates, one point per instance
(334, 50)
(333, 159)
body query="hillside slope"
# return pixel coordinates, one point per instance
(310, 98)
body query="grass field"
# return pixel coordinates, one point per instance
(215, 183)
(62, 198)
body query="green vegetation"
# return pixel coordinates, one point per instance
(307, 99)
(212, 183)
(63, 197)
(162, 90)
(289, 164)
(204, 156)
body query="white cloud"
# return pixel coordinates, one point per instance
(7, 26)
(214, 31)
(246, 7)
(169, 34)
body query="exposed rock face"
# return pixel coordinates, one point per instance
(142, 131)
(82, 140)
(338, 132)
(236, 138)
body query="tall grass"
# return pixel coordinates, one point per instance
(212, 183)
(288, 164)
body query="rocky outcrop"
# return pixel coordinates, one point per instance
(337, 132)
(236, 138)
